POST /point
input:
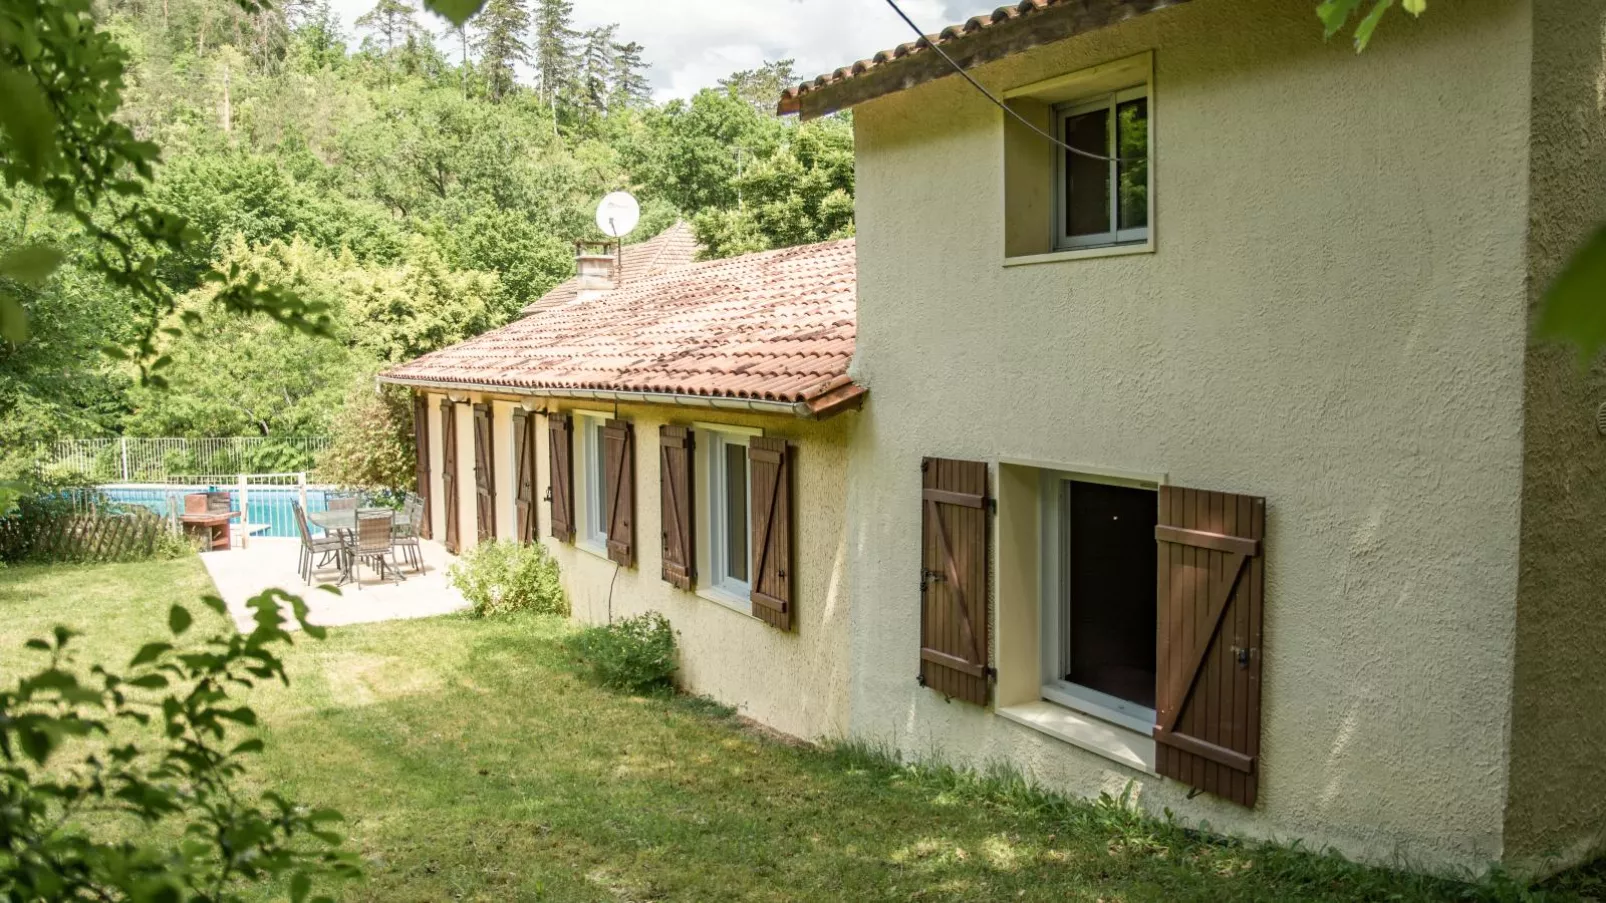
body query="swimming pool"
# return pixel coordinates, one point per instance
(269, 504)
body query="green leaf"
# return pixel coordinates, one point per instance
(1574, 308)
(178, 619)
(1334, 13)
(253, 745)
(13, 320)
(455, 11)
(25, 115)
(1415, 7)
(30, 264)
(300, 886)
(1363, 31)
(148, 682)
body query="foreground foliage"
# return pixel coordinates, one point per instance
(96, 763)
(473, 764)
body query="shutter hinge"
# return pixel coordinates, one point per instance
(928, 577)
(992, 505)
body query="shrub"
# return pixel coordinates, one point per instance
(636, 655)
(501, 577)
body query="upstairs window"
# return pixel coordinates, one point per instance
(1103, 202)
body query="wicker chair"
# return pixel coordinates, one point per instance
(375, 544)
(314, 547)
(404, 534)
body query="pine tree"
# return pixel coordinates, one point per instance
(596, 68)
(500, 28)
(554, 48)
(391, 20)
(630, 88)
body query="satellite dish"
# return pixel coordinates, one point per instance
(618, 214)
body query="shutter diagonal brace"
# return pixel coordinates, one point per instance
(977, 658)
(1220, 595)
(764, 541)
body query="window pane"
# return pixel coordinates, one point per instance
(1132, 142)
(1087, 181)
(736, 512)
(1108, 592)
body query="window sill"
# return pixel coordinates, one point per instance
(1129, 748)
(727, 599)
(598, 549)
(1146, 247)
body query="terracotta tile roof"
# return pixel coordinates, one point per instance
(775, 326)
(980, 39)
(673, 247)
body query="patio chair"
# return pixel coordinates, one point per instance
(343, 503)
(375, 544)
(404, 534)
(312, 547)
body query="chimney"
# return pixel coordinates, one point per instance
(594, 265)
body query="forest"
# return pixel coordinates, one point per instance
(423, 181)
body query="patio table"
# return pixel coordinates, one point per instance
(343, 519)
(342, 522)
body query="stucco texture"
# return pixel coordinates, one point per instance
(795, 682)
(1334, 317)
(1557, 811)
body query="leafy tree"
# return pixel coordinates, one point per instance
(61, 84)
(500, 29)
(371, 442)
(422, 305)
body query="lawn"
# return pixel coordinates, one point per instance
(472, 765)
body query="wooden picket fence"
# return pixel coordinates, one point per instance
(81, 536)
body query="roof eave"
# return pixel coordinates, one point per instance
(828, 405)
(853, 85)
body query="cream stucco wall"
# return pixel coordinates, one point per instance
(1333, 318)
(1557, 811)
(796, 682)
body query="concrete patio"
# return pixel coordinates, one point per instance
(268, 563)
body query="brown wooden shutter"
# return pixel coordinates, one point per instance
(449, 473)
(954, 564)
(524, 475)
(1207, 684)
(769, 464)
(619, 489)
(421, 460)
(484, 472)
(675, 445)
(560, 478)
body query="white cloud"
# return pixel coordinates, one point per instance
(692, 43)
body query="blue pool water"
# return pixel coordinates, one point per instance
(269, 505)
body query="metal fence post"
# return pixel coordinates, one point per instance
(124, 443)
(301, 483)
(245, 516)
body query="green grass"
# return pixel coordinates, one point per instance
(472, 765)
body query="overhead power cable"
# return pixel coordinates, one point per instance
(998, 102)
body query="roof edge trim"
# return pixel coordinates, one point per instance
(803, 410)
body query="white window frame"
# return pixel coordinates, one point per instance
(593, 533)
(718, 441)
(1116, 236)
(1054, 687)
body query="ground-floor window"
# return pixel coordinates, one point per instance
(591, 467)
(729, 511)
(1098, 609)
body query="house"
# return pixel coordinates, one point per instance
(675, 432)
(1220, 442)
(1206, 447)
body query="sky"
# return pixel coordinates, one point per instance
(693, 43)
